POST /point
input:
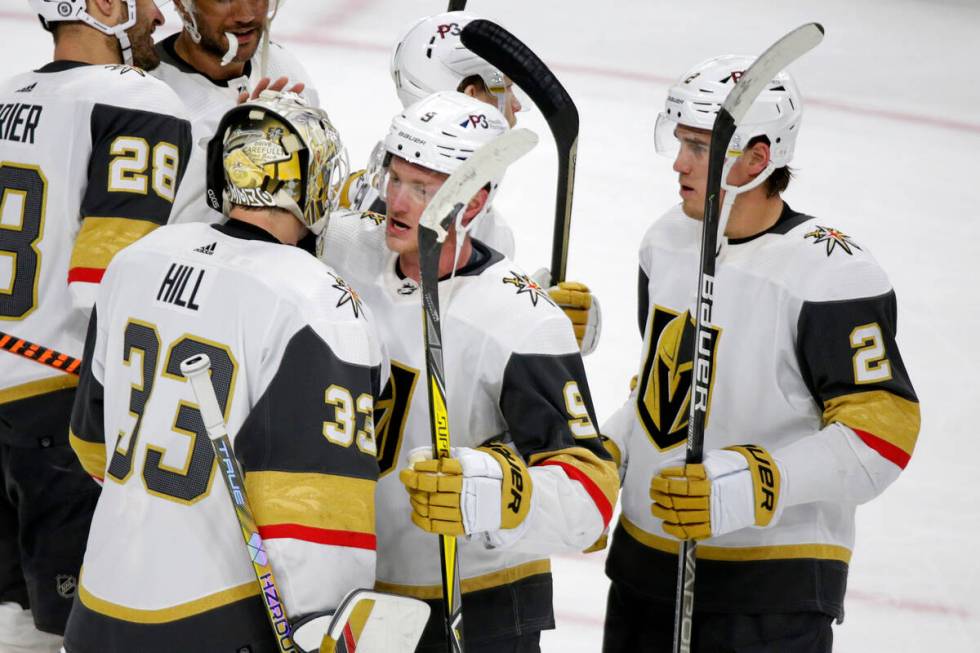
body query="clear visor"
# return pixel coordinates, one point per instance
(509, 95)
(417, 193)
(664, 139)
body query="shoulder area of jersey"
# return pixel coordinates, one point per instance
(825, 263)
(126, 86)
(504, 286)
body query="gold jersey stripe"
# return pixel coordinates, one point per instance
(741, 554)
(315, 500)
(475, 584)
(164, 615)
(603, 473)
(884, 414)
(36, 388)
(90, 454)
(100, 238)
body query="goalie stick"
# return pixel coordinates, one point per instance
(489, 162)
(720, 159)
(514, 59)
(40, 354)
(197, 370)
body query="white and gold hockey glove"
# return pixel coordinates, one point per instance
(481, 490)
(581, 307)
(730, 490)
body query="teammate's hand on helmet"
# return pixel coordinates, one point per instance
(473, 491)
(581, 307)
(731, 489)
(265, 84)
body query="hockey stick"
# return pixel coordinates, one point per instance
(197, 370)
(720, 159)
(514, 59)
(39, 354)
(457, 5)
(489, 162)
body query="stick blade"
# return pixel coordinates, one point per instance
(489, 162)
(778, 56)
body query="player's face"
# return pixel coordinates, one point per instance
(148, 18)
(408, 191)
(243, 18)
(691, 166)
(511, 105)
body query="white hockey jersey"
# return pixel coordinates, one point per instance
(207, 100)
(805, 365)
(296, 367)
(90, 159)
(512, 371)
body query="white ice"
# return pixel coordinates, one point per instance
(888, 153)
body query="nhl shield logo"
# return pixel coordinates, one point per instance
(664, 396)
(66, 584)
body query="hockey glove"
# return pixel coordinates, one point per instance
(731, 489)
(581, 307)
(474, 491)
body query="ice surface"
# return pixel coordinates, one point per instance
(889, 152)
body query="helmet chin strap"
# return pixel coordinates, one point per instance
(125, 47)
(731, 192)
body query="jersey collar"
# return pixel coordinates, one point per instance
(245, 231)
(60, 65)
(788, 219)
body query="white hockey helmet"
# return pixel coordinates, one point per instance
(442, 131)
(56, 11)
(430, 57)
(697, 96)
(277, 151)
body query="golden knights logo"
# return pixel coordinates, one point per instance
(347, 295)
(663, 401)
(833, 237)
(526, 285)
(373, 216)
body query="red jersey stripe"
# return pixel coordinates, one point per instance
(887, 450)
(601, 502)
(351, 539)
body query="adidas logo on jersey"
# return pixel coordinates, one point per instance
(207, 249)
(26, 89)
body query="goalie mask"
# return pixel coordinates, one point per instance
(277, 152)
(430, 57)
(441, 132)
(695, 99)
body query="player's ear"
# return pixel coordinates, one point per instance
(475, 206)
(471, 90)
(757, 157)
(107, 11)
